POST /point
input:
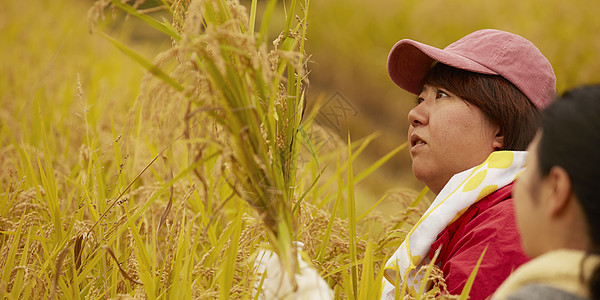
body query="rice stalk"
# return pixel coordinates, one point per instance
(225, 107)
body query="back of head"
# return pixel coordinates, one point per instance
(571, 139)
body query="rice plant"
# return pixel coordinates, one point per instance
(212, 162)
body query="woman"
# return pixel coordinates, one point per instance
(557, 204)
(477, 110)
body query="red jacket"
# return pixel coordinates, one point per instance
(489, 222)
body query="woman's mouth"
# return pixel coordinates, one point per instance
(416, 142)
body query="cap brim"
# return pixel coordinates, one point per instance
(410, 61)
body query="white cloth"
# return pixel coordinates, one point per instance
(277, 284)
(462, 190)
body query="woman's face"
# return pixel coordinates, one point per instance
(548, 213)
(447, 135)
(527, 195)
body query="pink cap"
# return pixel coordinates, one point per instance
(486, 51)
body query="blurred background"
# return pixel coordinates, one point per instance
(349, 41)
(46, 47)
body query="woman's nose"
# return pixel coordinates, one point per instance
(418, 115)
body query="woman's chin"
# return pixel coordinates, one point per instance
(430, 176)
(424, 175)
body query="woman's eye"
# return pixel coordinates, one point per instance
(419, 100)
(441, 94)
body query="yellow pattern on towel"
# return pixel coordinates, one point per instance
(461, 191)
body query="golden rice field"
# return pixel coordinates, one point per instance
(149, 149)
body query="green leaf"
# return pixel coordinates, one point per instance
(367, 283)
(227, 270)
(12, 253)
(378, 163)
(162, 27)
(371, 208)
(289, 17)
(336, 205)
(352, 221)
(266, 20)
(427, 274)
(252, 16)
(145, 63)
(309, 144)
(309, 189)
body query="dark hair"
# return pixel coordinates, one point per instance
(501, 102)
(571, 139)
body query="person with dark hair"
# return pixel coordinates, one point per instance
(478, 103)
(557, 204)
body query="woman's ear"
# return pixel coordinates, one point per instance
(498, 142)
(560, 190)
